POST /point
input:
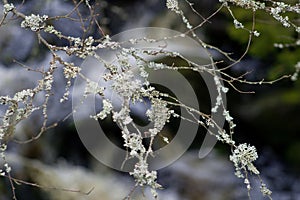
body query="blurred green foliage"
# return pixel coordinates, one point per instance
(282, 61)
(273, 112)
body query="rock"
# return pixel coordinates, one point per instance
(205, 179)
